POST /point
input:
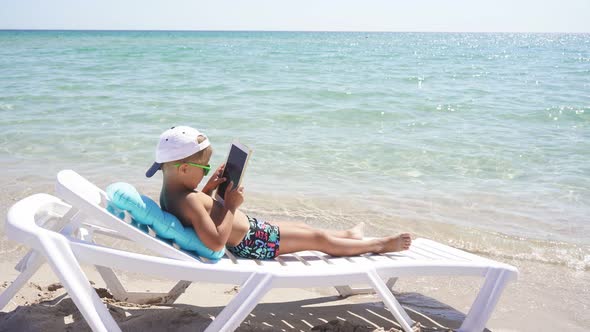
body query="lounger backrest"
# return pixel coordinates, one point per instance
(70, 185)
(91, 200)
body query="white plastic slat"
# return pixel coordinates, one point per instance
(426, 253)
(398, 256)
(302, 260)
(387, 258)
(225, 262)
(270, 263)
(324, 257)
(444, 253)
(246, 262)
(314, 258)
(291, 260)
(339, 261)
(455, 251)
(280, 260)
(230, 257)
(416, 254)
(362, 259)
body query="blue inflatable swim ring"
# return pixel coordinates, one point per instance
(146, 213)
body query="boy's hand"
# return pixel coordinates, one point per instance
(214, 181)
(234, 197)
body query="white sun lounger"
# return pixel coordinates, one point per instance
(80, 212)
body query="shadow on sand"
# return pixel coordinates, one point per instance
(326, 313)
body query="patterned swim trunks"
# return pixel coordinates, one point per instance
(261, 241)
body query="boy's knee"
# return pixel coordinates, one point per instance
(321, 236)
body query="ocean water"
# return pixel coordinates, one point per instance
(478, 140)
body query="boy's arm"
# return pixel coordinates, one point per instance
(214, 181)
(213, 233)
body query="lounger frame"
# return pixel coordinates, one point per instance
(80, 213)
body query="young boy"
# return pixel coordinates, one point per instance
(183, 155)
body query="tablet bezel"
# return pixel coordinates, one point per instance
(248, 152)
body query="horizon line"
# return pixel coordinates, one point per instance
(303, 31)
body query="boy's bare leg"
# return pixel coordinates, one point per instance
(357, 232)
(307, 238)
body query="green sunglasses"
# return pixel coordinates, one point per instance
(206, 168)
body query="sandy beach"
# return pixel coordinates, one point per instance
(437, 304)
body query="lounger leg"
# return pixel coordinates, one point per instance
(345, 291)
(119, 292)
(396, 309)
(242, 304)
(30, 263)
(34, 261)
(486, 300)
(110, 278)
(176, 291)
(391, 282)
(63, 262)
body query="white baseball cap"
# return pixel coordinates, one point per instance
(177, 143)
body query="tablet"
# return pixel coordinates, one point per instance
(235, 165)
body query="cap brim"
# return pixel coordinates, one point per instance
(152, 170)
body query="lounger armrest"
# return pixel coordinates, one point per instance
(21, 225)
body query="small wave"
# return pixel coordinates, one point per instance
(509, 249)
(6, 107)
(555, 253)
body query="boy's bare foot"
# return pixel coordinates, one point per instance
(357, 232)
(396, 243)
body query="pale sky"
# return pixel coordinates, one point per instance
(300, 15)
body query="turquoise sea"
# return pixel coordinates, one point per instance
(477, 140)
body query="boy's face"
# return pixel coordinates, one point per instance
(192, 172)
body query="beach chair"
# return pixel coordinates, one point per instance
(81, 212)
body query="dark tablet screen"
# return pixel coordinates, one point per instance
(236, 161)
